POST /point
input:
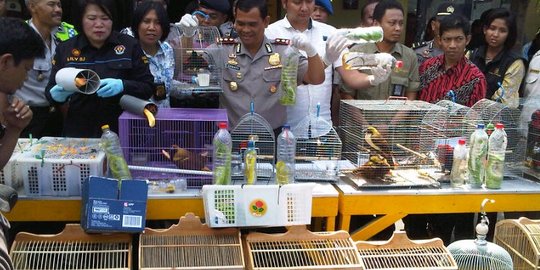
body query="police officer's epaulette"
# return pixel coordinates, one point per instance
(227, 40)
(417, 45)
(281, 41)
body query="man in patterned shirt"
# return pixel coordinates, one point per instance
(452, 70)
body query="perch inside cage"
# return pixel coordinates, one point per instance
(521, 238)
(402, 253)
(480, 254)
(316, 140)
(252, 126)
(301, 249)
(191, 245)
(197, 70)
(71, 249)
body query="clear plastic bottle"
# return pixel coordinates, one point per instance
(458, 175)
(110, 143)
(477, 156)
(286, 152)
(221, 157)
(250, 163)
(496, 152)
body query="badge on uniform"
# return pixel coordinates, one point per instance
(274, 59)
(273, 88)
(233, 86)
(40, 76)
(75, 52)
(119, 49)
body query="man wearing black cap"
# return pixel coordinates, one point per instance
(216, 13)
(427, 49)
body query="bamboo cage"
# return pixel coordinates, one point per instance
(521, 238)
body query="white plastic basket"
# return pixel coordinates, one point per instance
(257, 205)
(57, 166)
(10, 175)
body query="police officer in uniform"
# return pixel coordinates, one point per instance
(427, 49)
(118, 60)
(46, 21)
(216, 13)
(253, 65)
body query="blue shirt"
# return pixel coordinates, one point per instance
(162, 68)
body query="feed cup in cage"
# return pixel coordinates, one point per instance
(84, 81)
(203, 77)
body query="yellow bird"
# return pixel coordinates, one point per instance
(379, 144)
(185, 159)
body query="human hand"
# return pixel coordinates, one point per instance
(17, 115)
(110, 87)
(188, 23)
(59, 94)
(301, 42)
(378, 75)
(334, 47)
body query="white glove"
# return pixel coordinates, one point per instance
(188, 24)
(334, 47)
(379, 74)
(301, 42)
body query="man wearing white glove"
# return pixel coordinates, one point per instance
(253, 66)
(314, 37)
(384, 82)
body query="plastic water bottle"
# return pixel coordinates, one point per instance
(477, 156)
(286, 152)
(250, 163)
(496, 152)
(458, 175)
(222, 155)
(110, 143)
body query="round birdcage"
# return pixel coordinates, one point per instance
(480, 254)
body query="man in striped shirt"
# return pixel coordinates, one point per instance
(452, 71)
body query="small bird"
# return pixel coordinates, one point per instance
(379, 144)
(185, 159)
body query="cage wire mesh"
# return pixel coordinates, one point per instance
(299, 248)
(492, 112)
(190, 245)
(252, 126)
(316, 139)
(197, 70)
(399, 122)
(181, 139)
(71, 249)
(402, 253)
(480, 254)
(521, 238)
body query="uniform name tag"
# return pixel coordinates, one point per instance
(232, 66)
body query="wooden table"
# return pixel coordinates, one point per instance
(518, 194)
(160, 206)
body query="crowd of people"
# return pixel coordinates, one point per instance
(140, 61)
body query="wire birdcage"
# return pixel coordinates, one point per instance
(521, 238)
(402, 253)
(71, 249)
(389, 132)
(197, 68)
(316, 139)
(181, 139)
(480, 254)
(190, 245)
(299, 248)
(492, 112)
(252, 126)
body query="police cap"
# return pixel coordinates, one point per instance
(326, 4)
(222, 6)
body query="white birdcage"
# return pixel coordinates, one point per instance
(385, 136)
(190, 245)
(480, 254)
(402, 253)
(316, 140)
(299, 248)
(198, 70)
(521, 238)
(71, 249)
(252, 126)
(443, 128)
(492, 112)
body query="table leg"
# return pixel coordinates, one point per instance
(344, 221)
(330, 224)
(317, 224)
(376, 226)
